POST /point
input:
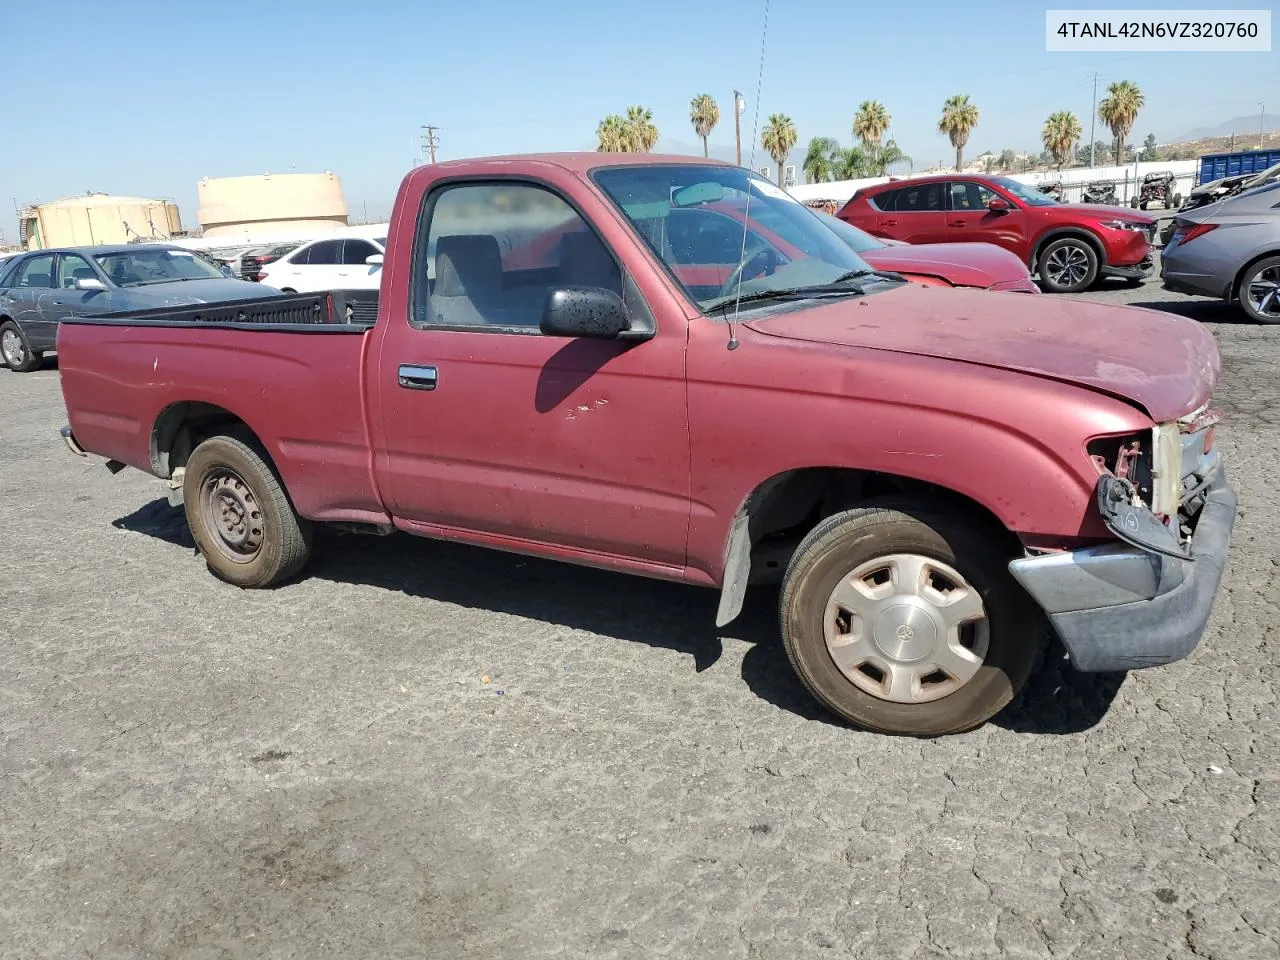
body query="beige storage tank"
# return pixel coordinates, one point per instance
(237, 206)
(97, 218)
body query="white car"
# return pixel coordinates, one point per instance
(342, 263)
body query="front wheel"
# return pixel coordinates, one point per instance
(904, 621)
(16, 349)
(240, 517)
(1259, 294)
(1068, 265)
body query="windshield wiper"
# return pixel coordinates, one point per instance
(879, 274)
(838, 287)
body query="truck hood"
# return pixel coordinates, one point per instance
(1165, 364)
(180, 292)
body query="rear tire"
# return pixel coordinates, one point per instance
(904, 671)
(1261, 283)
(1068, 265)
(240, 516)
(15, 349)
(1177, 201)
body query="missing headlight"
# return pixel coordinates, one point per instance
(1126, 457)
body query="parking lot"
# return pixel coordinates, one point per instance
(428, 750)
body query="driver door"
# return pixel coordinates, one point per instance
(969, 219)
(71, 302)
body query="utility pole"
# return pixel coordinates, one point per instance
(738, 107)
(430, 141)
(1262, 119)
(1093, 118)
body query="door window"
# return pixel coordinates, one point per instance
(73, 267)
(36, 272)
(493, 250)
(925, 198)
(357, 251)
(325, 253)
(969, 195)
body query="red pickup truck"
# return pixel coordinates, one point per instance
(931, 474)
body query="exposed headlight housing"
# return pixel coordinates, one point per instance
(1125, 225)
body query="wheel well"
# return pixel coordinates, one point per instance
(183, 426)
(1234, 291)
(1064, 232)
(779, 513)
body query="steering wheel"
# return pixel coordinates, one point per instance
(760, 251)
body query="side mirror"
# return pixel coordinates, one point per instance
(584, 312)
(90, 283)
(998, 205)
(374, 260)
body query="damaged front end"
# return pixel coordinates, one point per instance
(1145, 600)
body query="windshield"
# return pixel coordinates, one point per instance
(1028, 195)
(858, 240)
(694, 217)
(136, 268)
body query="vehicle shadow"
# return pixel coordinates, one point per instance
(627, 608)
(1204, 310)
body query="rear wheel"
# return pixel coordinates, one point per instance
(1068, 265)
(1177, 201)
(908, 622)
(16, 349)
(240, 517)
(1259, 294)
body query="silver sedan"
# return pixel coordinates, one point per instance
(1231, 250)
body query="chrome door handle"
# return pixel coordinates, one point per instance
(413, 377)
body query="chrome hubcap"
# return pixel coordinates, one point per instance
(231, 513)
(1264, 292)
(1067, 265)
(906, 628)
(11, 347)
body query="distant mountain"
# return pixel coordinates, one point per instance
(719, 152)
(1240, 125)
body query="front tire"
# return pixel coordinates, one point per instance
(16, 350)
(240, 516)
(906, 621)
(1259, 293)
(1068, 265)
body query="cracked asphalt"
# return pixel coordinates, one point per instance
(426, 750)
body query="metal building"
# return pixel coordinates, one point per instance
(96, 218)
(271, 202)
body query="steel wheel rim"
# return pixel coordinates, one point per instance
(11, 347)
(1264, 292)
(1068, 265)
(232, 515)
(906, 628)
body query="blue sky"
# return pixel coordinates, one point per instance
(144, 99)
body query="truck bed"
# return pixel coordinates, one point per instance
(290, 368)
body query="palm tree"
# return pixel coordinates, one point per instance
(959, 117)
(881, 158)
(870, 123)
(819, 162)
(704, 114)
(643, 134)
(613, 135)
(851, 163)
(1119, 110)
(1060, 134)
(778, 138)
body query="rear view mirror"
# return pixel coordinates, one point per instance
(90, 283)
(708, 192)
(374, 260)
(998, 205)
(584, 312)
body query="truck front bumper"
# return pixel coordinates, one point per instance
(1121, 607)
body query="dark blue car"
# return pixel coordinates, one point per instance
(39, 289)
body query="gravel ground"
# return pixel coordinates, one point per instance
(426, 750)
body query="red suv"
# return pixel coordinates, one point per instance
(1070, 245)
